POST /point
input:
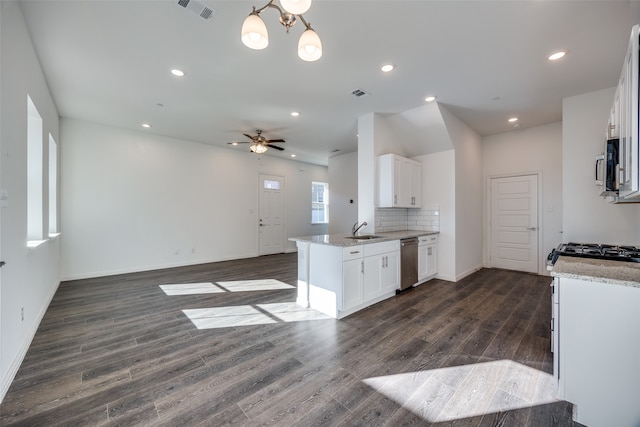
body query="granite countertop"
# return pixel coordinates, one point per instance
(598, 270)
(343, 240)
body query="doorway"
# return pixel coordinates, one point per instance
(513, 223)
(271, 221)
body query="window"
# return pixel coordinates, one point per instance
(319, 203)
(53, 186)
(35, 190)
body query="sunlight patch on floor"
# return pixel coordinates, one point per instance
(466, 391)
(246, 315)
(234, 286)
(254, 285)
(191, 289)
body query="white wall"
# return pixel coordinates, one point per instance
(439, 168)
(131, 200)
(468, 194)
(533, 150)
(31, 276)
(586, 216)
(343, 189)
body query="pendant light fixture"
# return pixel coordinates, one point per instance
(255, 35)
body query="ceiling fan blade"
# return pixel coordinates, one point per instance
(275, 140)
(238, 142)
(276, 147)
(249, 136)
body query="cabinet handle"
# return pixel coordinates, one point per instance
(354, 252)
(429, 251)
(395, 199)
(362, 267)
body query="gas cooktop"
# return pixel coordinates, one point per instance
(595, 250)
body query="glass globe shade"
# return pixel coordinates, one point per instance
(309, 46)
(296, 7)
(258, 148)
(254, 32)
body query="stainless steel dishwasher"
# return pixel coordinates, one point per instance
(408, 262)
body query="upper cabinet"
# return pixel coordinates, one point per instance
(625, 116)
(399, 182)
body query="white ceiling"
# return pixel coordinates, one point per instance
(109, 61)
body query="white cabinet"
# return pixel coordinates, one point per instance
(399, 182)
(352, 277)
(597, 351)
(343, 280)
(381, 269)
(628, 86)
(427, 257)
(352, 281)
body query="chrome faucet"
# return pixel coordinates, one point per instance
(355, 228)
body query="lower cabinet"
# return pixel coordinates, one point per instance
(344, 280)
(381, 270)
(427, 257)
(597, 351)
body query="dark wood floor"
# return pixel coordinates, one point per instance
(120, 351)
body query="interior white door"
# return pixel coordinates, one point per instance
(271, 221)
(514, 223)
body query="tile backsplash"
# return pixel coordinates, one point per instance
(397, 219)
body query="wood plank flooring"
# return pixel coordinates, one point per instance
(120, 351)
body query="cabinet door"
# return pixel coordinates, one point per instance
(390, 274)
(432, 260)
(404, 189)
(373, 266)
(629, 144)
(416, 184)
(422, 262)
(352, 283)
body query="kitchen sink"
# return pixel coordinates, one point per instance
(363, 237)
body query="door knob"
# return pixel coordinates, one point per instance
(532, 228)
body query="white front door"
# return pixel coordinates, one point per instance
(514, 223)
(271, 215)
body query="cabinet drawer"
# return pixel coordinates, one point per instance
(426, 240)
(382, 247)
(352, 252)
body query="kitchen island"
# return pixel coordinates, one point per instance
(339, 275)
(597, 339)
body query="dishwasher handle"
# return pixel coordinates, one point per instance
(409, 242)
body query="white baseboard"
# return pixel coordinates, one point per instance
(115, 272)
(15, 363)
(469, 272)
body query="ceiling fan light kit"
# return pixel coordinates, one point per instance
(255, 36)
(258, 148)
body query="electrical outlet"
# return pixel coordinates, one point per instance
(193, 250)
(22, 314)
(177, 251)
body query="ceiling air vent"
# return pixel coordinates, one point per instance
(198, 8)
(359, 93)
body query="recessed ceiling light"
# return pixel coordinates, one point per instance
(177, 73)
(234, 143)
(295, 113)
(513, 119)
(293, 155)
(146, 125)
(557, 55)
(430, 98)
(387, 67)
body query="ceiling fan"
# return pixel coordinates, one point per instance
(259, 144)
